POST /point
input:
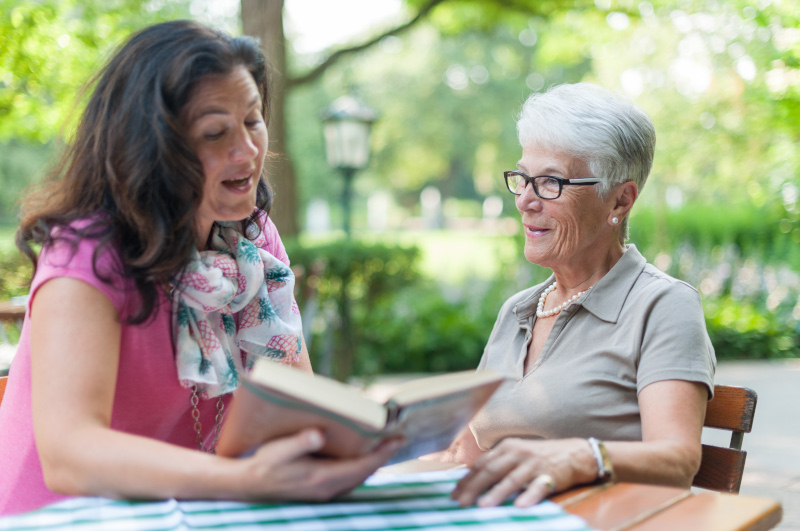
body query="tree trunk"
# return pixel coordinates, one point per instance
(264, 19)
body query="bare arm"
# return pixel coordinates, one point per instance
(75, 357)
(672, 413)
(463, 450)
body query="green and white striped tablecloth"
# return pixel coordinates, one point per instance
(385, 501)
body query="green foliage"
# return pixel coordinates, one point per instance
(427, 324)
(741, 330)
(456, 16)
(718, 79)
(730, 145)
(15, 273)
(421, 330)
(755, 232)
(49, 51)
(20, 162)
(346, 279)
(731, 344)
(364, 272)
(51, 48)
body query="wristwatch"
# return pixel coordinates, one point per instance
(605, 470)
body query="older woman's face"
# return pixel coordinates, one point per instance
(564, 231)
(228, 134)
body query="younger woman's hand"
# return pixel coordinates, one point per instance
(283, 469)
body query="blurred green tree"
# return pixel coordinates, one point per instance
(721, 80)
(49, 50)
(264, 19)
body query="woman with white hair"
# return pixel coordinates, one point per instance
(609, 364)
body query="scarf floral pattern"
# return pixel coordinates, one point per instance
(233, 304)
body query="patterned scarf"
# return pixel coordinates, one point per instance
(236, 281)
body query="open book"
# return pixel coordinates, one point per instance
(275, 400)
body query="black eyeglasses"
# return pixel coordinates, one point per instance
(544, 186)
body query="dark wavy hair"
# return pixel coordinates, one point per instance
(130, 170)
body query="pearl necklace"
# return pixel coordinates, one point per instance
(540, 311)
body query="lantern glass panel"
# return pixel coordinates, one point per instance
(347, 143)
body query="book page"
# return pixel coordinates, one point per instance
(431, 425)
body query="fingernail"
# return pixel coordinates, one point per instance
(315, 439)
(485, 501)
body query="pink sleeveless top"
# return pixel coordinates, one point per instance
(148, 400)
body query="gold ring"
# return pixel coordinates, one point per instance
(546, 481)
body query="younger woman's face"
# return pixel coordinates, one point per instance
(227, 132)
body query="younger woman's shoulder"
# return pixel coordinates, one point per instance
(83, 243)
(83, 250)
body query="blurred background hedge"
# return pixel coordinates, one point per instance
(406, 320)
(373, 308)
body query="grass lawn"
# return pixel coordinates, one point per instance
(457, 256)
(451, 256)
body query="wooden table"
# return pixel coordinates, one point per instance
(637, 507)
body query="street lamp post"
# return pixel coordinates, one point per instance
(347, 128)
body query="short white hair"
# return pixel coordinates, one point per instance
(612, 135)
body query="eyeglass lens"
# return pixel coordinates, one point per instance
(545, 187)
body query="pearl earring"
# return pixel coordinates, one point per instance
(615, 220)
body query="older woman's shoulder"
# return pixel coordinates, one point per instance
(653, 279)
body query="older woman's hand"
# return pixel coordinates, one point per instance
(537, 468)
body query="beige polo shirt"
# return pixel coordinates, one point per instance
(636, 326)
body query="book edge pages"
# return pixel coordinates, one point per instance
(320, 392)
(292, 402)
(441, 385)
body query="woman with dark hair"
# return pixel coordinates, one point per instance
(160, 277)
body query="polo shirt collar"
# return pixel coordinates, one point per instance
(525, 309)
(606, 298)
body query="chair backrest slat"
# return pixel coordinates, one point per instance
(3, 382)
(732, 409)
(721, 469)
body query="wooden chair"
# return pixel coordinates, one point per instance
(732, 409)
(3, 382)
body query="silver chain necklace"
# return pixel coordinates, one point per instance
(198, 428)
